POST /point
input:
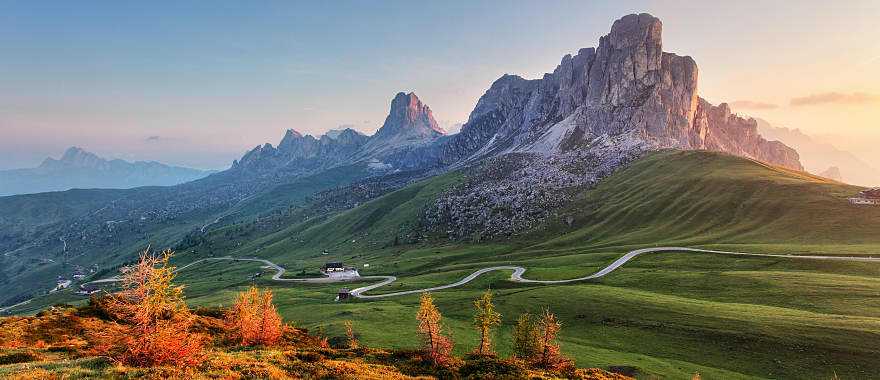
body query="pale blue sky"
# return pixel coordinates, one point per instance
(209, 79)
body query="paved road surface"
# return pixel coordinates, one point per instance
(517, 275)
(518, 271)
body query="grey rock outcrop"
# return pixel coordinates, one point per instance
(303, 151)
(625, 90)
(409, 119)
(409, 127)
(723, 131)
(627, 86)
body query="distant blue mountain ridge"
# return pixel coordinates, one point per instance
(79, 169)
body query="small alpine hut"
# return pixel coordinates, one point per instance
(343, 295)
(333, 267)
(871, 193)
(867, 197)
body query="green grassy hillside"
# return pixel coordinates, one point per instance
(708, 198)
(666, 198)
(47, 235)
(376, 226)
(298, 190)
(666, 315)
(33, 211)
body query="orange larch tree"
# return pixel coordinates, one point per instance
(155, 320)
(254, 320)
(526, 337)
(550, 355)
(485, 319)
(352, 339)
(436, 345)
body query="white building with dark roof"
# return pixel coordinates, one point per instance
(870, 197)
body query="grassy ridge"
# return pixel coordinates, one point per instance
(370, 228)
(696, 197)
(669, 314)
(298, 190)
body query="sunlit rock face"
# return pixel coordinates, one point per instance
(404, 139)
(409, 119)
(627, 86)
(726, 132)
(626, 90)
(409, 127)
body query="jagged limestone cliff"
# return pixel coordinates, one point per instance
(626, 89)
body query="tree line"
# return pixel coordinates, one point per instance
(156, 326)
(534, 337)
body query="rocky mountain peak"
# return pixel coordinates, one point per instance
(409, 119)
(296, 149)
(635, 31)
(625, 92)
(74, 154)
(343, 134)
(293, 140)
(627, 89)
(349, 136)
(334, 133)
(292, 134)
(78, 168)
(75, 157)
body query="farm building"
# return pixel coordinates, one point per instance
(88, 289)
(338, 271)
(343, 294)
(332, 267)
(870, 193)
(867, 197)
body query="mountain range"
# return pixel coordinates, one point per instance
(78, 168)
(531, 142)
(550, 179)
(626, 92)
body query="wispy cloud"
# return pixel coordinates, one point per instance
(153, 138)
(752, 105)
(835, 98)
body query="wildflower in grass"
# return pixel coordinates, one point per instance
(12, 332)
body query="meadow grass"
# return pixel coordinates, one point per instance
(666, 314)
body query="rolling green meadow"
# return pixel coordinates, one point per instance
(662, 315)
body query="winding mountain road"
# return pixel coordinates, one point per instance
(518, 271)
(516, 276)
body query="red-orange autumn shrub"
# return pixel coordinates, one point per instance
(155, 322)
(253, 320)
